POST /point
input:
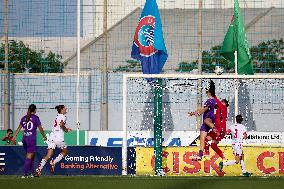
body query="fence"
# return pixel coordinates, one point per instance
(42, 39)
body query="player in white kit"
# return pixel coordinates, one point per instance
(238, 132)
(56, 139)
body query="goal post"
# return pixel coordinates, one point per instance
(136, 85)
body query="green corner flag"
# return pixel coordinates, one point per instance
(235, 40)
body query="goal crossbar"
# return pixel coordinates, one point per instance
(206, 76)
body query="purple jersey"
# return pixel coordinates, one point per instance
(30, 127)
(210, 104)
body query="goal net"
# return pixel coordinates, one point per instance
(258, 98)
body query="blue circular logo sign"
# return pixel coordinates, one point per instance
(144, 36)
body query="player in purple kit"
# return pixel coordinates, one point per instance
(208, 116)
(29, 123)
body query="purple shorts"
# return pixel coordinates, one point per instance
(29, 146)
(205, 127)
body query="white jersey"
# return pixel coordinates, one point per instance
(238, 131)
(57, 130)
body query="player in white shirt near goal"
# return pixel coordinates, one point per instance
(56, 139)
(238, 132)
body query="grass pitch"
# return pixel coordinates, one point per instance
(127, 182)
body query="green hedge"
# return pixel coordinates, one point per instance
(70, 138)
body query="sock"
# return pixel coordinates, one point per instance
(243, 166)
(217, 150)
(27, 166)
(231, 162)
(58, 158)
(42, 164)
(32, 166)
(206, 148)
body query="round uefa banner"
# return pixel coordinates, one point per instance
(144, 36)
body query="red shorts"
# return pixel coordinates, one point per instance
(217, 136)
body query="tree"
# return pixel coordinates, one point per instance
(23, 59)
(186, 67)
(268, 57)
(132, 66)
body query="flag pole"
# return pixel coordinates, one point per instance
(78, 72)
(6, 70)
(104, 72)
(199, 81)
(151, 16)
(236, 86)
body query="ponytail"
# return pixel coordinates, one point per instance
(59, 108)
(31, 109)
(28, 116)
